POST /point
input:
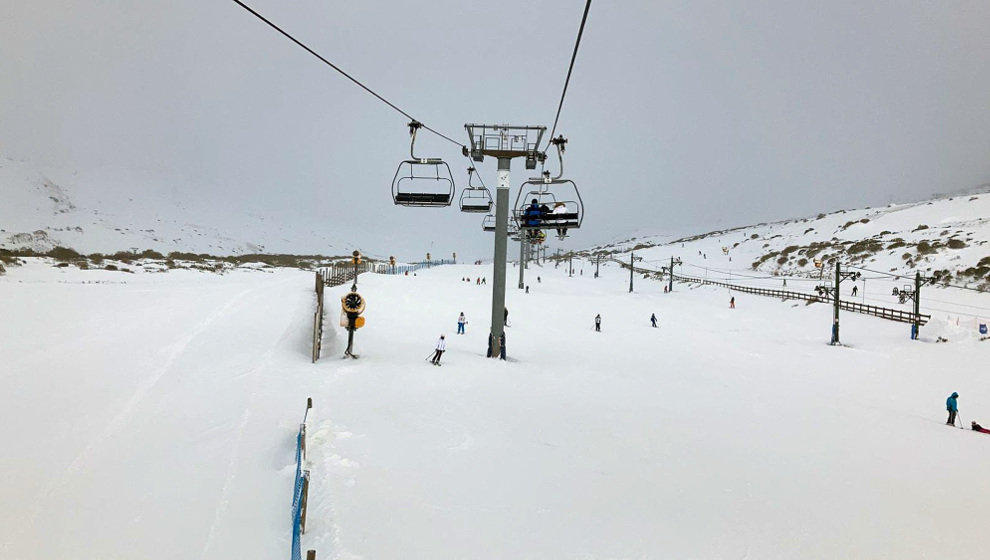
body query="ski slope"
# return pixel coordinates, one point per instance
(154, 415)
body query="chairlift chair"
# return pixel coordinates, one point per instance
(546, 190)
(549, 193)
(475, 199)
(425, 182)
(488, 224)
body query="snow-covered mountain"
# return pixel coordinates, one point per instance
(91, 213)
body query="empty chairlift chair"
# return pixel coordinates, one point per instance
(489, 225)
(474, 198)
(422, 181)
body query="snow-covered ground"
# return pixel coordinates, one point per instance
(154, 416)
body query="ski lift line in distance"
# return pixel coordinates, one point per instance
(475, 199)
(425, 182)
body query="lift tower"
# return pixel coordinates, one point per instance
(503, 142)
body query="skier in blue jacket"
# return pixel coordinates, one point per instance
(532, 217)
(952, 407)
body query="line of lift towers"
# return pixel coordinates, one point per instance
(427, 182)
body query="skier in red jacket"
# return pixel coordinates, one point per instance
(978, 428)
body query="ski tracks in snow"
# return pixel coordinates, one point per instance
(235, 456)
(124, 414)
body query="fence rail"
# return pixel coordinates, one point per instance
(385, 268)
(342, 272)
(898, 315)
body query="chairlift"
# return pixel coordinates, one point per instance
(488, 224)
(422, 181)
(475, 199)
(558, 203)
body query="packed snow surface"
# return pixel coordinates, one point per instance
(153, 416)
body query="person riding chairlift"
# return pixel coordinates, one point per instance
(560, 208)
(532, 216)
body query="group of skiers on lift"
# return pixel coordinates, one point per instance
(953, 408)
(534, 214)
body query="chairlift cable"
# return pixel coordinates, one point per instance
(570, 69)
(345, 74)
(967, 306)
(933, 283)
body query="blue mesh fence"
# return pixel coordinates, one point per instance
(301, 488)
(297, 498)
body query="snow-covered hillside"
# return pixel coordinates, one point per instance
(41, 209)
(946, 238)
(155, 415)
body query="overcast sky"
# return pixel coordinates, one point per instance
(682, 117)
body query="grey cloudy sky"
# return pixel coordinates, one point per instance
(682, 116)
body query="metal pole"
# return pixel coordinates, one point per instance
(522, 261)
(835, 312)
(917, 306)
(570, 264)
(670, 285)
(631, 260)
(501, 237)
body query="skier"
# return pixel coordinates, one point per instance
(538, 280)
(732, 302)
(527, 288)
(855, 290)
(441, 346)
(461, 321)
(532, 217)
(598, 323)
(785, 282)
(653, 319)
(952, 407)
(483, 281)
(501, 346)
(505, 317)
(978, 428)
(477, 281)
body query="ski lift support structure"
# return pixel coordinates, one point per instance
(503, 142)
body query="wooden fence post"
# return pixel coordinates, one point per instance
(304, 502)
